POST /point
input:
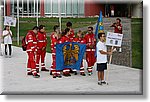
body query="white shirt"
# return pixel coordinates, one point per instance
(101, 58)
(7, 39)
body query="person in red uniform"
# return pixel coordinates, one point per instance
(41, 48)
(117, 26)
(90, 49)
(117, 29)
(54, 39)
(71, 35)
(65, 38)
(80, 40)
(31, 42)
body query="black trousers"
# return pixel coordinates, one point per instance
(10, 50)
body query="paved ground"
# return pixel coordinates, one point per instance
(122, 80)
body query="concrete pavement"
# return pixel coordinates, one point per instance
(122, 80)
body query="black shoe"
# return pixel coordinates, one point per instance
(83, 74)
(71, 71)
(66, 75)
(44, 69)
(50, 73)
(54, 76)
(36, 76)
(69, 74)
(99, 83)
(103, 82)
(29, 73)
(59, 76)
(75, 73)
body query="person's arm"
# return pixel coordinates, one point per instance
(45, 43)
(29, 41)
(88, 45)
(101, 48)
(4, 35)
(105, 53)
(10, 33)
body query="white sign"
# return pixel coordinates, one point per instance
(114, 39)
(11, 21)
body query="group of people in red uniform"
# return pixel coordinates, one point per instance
(36, 49)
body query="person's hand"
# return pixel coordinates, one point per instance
(91, 46)
(109, 53)
(35, 52)
(44, 48)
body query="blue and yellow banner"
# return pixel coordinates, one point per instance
(69, 55)
(99, 26)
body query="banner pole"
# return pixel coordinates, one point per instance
(107, 73)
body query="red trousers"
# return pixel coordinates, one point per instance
(31, 65)
(90, 58)
(81, 68)
(53, 66)
(40, 55)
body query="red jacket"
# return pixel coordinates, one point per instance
(31, 41)
(117, 30)
(41, 40)
(54, 41)
(65, 39)
(59, 41)
(90, 41)
(80, 40)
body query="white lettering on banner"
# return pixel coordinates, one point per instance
(11, 21)
(114, 39)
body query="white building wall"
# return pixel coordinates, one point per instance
(137, 10)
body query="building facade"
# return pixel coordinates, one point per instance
(71, 8)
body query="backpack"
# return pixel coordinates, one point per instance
(24, 45)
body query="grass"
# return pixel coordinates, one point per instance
(28, 23)
(136, 28)
(137, 43)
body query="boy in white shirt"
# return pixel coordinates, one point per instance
(101, 58)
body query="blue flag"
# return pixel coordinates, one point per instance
(69, 55)
(99, 26)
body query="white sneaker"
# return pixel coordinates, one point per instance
(120, 49)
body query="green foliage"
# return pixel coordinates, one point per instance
(137, 43)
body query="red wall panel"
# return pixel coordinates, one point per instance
(93, 8)
(42, 13)
(8, 6)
